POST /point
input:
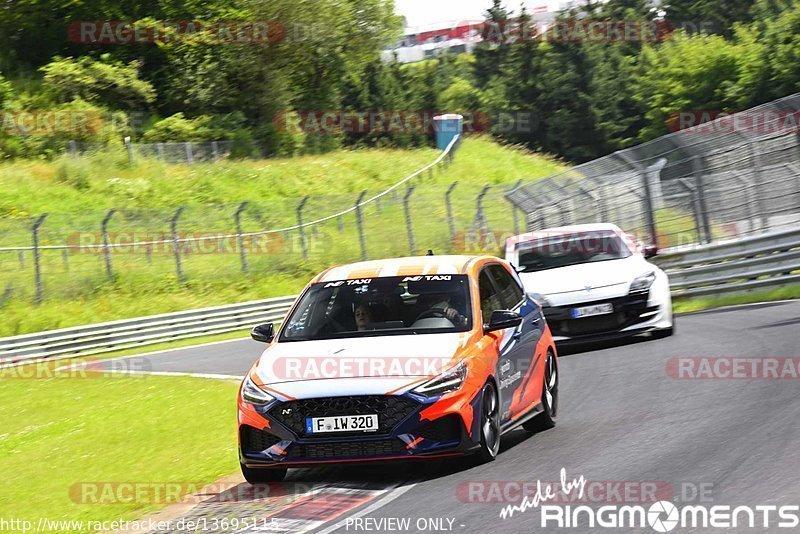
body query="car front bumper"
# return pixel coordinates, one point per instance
(275, 436)
(633, 314)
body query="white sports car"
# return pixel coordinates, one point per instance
(593, 281)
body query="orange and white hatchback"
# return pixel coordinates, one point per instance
(398, 359)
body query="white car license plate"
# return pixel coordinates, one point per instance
(342, 423)
(589, 311)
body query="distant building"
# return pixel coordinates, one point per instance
(427, 42)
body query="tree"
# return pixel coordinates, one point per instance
(106, 82)
(491, 53)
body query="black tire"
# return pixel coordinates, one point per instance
(490, 424)
(547, 419)
(263, 475)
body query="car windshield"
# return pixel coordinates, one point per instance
(571, 249)
(381, 306)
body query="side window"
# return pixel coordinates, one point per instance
(510, 292)
(490, 299)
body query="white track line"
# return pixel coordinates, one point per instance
(391, 495)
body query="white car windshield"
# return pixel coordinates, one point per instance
(381, 306)
(571, 249)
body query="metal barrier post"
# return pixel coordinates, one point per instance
(106, 246)
(409, 229)
(448, 206)
(176, 248)
(699, 184)
(37, 260)
(237, 217)
(480, 218)
(299, 211)
(360, 224)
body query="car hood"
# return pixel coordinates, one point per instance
(357, 366)
(586, 277)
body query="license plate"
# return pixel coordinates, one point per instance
(589, 311)
(342, 423)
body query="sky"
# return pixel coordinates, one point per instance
(424, 12)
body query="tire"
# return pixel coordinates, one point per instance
(490, 424)
(263, 475)
(547, 419)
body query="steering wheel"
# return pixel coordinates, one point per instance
(433, 312)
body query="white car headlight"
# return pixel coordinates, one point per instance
(255, 395)
(540, 299)
(643, 283)
(445, 382)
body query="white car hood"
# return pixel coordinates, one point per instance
(356, 366)
(587, 281)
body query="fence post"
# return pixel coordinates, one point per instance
(763, 217)
(751, 215)
(214, 150)
(409, 228)
(65, 259)
(37, 260)
(450, 222)
(360, 224)
(160, 151)
(73, 148)
(698, 225)
(480, 219)
(239, 237)
(299, 212)
(189, 154)
(647, 197)
(129, 146)
(514, 207)
(176, 246)
(699, 184)
(106, 247)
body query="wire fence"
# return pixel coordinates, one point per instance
(176, 152)
(71, 255)
(735, 176)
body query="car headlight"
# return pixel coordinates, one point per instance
(643, 283)
(540, 299)
(445, 382)
(255, 395)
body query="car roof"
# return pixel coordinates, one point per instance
(410, 266)
(562, 230)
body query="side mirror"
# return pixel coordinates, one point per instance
(502, 319)
(650, 251)
(263, 333)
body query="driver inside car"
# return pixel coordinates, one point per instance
(444, 303)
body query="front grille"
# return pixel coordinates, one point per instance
(442, 430)
(255, 440)
(352, 449)
(391, 409)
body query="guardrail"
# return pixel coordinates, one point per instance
(767, 261)
(141, 331)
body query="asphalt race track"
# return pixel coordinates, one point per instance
(623, 422)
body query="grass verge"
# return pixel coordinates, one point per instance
(60, 432)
